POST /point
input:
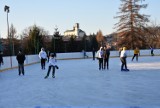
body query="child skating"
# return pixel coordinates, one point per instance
(52, 64)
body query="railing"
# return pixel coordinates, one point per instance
(30, 59)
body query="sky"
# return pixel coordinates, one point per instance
(92, 15)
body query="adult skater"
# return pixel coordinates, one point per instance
(136, 53)
(1, 58)
(106, 56)
(100, 57)
(52, 64)
(123, 57)
(43, 57)
(152, 54)
(20, 58)
(93, 53)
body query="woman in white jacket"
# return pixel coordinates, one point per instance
(52, 64)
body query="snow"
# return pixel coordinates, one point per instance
(80, 84)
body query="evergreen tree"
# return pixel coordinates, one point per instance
(132, 24)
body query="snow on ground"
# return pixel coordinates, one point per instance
(79, 83)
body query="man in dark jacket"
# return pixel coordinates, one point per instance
(20, 58)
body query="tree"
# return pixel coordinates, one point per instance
(100, 38)
(132, 24)
(34, 37)
(13, 37)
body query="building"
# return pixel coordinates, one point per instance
(75, 32)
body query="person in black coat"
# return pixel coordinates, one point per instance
(21, 58)
(106, 56)
(1, 58)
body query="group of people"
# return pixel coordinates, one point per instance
(43, 57)
(51, 62)
(103, 55)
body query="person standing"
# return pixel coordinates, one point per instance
(43, 57)
(1, 58)
(93, 53)
(136, 53)
(123, 57)
(100, 57)
(20, 58)
(52, 64)
(152, 54)
(106, 56)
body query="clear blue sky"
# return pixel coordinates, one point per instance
(92, 15)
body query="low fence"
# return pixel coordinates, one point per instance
(11, 62)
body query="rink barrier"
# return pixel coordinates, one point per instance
(11, 62)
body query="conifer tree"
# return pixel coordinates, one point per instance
(132, 24)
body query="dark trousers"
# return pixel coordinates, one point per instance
(100, 63)
(21, 68)
(106, 60)
(152, 53)
(49, 69)
(43, 63)
(135, 55)
(124, 63)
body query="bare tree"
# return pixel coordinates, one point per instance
(132, 24)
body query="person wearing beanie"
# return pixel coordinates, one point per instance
(123, 57)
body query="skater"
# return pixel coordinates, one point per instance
(52, 64)
(120, 49)
(152, 54)
(136, 54)
(43, 57)
(123, 57)
(106, 56)
(1, 58)
(84, 54)
(100, 58)
(93, 53)
(20, 58)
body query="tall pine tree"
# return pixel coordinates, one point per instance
(132, 24)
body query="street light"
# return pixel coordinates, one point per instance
(6, 9)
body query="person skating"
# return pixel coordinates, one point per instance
(52, 64)
(106, 56)
(20, 58)
(123, 57)
(136, 54)
(43, 57)
(152, 54)
(1, 58)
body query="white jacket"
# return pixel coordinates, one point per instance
(52, 61)
(42, 55)
(123, 53)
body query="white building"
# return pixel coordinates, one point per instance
(75, 32)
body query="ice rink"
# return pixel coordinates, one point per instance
(79, 83)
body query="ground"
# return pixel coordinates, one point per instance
(79, 83)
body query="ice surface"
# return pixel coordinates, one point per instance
(80, 84)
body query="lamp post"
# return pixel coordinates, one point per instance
(6, 9)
